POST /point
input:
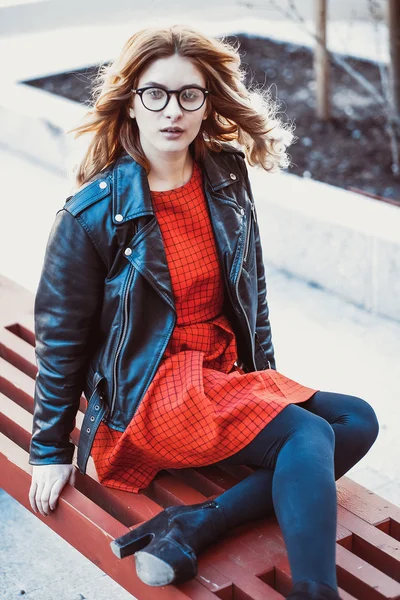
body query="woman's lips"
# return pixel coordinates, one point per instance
(172, 135)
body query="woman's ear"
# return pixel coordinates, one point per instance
(131, 113)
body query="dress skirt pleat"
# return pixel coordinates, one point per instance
(200, 407)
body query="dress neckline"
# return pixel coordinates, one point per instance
(181, 187)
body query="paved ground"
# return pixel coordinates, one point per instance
(320, 340)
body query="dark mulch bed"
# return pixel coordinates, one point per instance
(352, 150)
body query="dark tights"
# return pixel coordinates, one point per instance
(302, 453)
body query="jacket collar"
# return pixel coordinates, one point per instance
(131, 193)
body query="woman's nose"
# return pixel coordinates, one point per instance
(173, 107)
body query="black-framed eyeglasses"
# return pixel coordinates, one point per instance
(190, 98)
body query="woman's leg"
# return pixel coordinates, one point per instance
(297, 452)
(354, 422)
(355, 427)
(299, 446)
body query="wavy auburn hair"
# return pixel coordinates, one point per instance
(247, 117)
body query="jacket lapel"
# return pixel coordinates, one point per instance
(132, 199)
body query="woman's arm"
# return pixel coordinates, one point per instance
(67, 303)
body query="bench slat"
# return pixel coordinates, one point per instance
(17, 352)
(366, 504)
(363, 579)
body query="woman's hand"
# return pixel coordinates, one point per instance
(47, 484)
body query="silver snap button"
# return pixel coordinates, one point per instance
(128, 251)
(96, 407)
(242, 211)
(102, 185)
(232, 176)
(88, 430)
(119, 218)
(92, 419)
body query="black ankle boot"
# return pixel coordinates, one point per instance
(312, 590)
(166, 546)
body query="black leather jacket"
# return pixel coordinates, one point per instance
(104, 308)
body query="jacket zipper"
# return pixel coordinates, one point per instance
(252, 213)
(160, 355)
(121, 339)
(243, 311)
(248, 232)
(246, 249)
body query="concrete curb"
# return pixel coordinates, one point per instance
(336, 239)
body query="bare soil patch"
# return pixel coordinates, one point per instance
(352, 150)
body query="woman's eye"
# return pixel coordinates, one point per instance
(189, 95)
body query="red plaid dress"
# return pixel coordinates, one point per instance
(199, 408)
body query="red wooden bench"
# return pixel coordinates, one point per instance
(248, 564)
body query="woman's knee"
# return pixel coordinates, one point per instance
(367, 420)
(311, 435)
(316, 427)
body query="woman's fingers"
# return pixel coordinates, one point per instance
(47, 484)
(72, 478)
(55, 493)
(32, 494)
(45, 498)
(38, 497)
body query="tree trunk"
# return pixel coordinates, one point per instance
(394, 41)
(321, 62)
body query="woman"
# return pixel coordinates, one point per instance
(152, 300)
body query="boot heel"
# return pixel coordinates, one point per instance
(140, 537)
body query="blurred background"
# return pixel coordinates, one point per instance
(330, 224)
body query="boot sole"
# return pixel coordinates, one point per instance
(153, 570)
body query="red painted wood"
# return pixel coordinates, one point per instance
(24, 329)
(371, 544)
(84, 525)
(166, 490)
(209, 481)
(16, 385)
(362, 579)
(366, 504)
(18, 352)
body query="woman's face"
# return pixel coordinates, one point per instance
(172, 73)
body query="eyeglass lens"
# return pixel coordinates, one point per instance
(156, 98)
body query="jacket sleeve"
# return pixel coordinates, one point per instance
(67, 304)
(263, 326)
